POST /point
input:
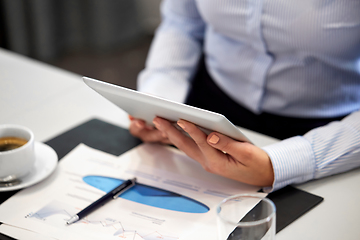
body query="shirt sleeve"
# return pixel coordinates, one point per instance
(175, 51)
(321, 152)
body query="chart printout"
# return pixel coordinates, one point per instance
(174, 197)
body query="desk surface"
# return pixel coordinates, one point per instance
(50, 101)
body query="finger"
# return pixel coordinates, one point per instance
(154, 136)
(242, 150)
(214, 157)
(138, 128)
(196, 134)
(184, 143)
(140, 123)
(175, 136)
(199, 137)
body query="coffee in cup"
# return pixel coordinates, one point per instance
(17, 155)
(10, 143)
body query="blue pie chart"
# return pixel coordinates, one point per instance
(149, 195)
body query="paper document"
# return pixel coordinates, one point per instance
(175, 198)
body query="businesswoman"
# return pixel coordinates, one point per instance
(289, 69)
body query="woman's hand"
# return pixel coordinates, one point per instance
(146, 133)
(220, 154)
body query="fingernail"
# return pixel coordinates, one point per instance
(214, 139)
(182, 125)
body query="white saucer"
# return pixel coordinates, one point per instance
(45, 163)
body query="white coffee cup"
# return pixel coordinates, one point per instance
(15, 161)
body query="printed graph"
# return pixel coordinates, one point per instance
(55, 208)
(57, 213)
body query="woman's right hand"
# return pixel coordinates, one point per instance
(146, 133)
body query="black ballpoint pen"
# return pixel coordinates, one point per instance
(113, 194)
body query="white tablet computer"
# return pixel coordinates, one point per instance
(147, 107)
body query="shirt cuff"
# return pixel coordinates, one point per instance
(163, 85)
(292, 160)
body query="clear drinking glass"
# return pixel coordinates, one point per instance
(246, 216)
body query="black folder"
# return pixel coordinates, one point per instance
(290, 202)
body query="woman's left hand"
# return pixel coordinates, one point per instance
(220, 154)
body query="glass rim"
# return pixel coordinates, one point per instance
(252, 223)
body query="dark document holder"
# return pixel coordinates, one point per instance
(290, 202)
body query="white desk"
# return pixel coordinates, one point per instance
(50, 101)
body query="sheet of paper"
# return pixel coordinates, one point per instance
(19, 233)
(45, 207)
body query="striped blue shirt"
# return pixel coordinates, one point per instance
(286, 57)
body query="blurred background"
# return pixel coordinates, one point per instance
(103, 39)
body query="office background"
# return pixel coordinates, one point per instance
(103, 39)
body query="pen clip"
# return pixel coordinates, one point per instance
(125, 189)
